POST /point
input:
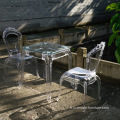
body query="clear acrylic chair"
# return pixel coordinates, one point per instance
(14, 50)
(86, 76)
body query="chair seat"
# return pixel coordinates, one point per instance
(79, 74)
(16, 58)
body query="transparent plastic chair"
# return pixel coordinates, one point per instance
(14, 50)
(86, 76)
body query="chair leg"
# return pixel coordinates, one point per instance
(5, 65)
(99, 84)
(61, 80)
(20, 75)
(85, 92)
(36, 65)
(74, 86)
(21, 70)
(4, 74)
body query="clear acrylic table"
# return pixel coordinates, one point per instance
(47, 52)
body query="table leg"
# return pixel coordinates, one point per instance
(43, 62)
(36, 67)
(48, 76)
(69, 60)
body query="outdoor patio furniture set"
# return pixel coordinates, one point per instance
(19, 56)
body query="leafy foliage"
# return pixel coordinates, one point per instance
(115, 24)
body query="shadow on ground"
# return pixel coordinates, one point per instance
(29, 102)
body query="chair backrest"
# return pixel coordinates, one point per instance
(94, 56)
(12, 31)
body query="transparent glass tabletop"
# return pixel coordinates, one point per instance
(47, 48)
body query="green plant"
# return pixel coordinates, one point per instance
(115, 24)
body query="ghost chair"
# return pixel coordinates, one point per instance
(86, 76)
(14, 49)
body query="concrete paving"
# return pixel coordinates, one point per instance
(29, 102)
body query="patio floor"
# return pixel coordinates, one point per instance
(29, 102)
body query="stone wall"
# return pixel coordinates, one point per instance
(37, 15)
